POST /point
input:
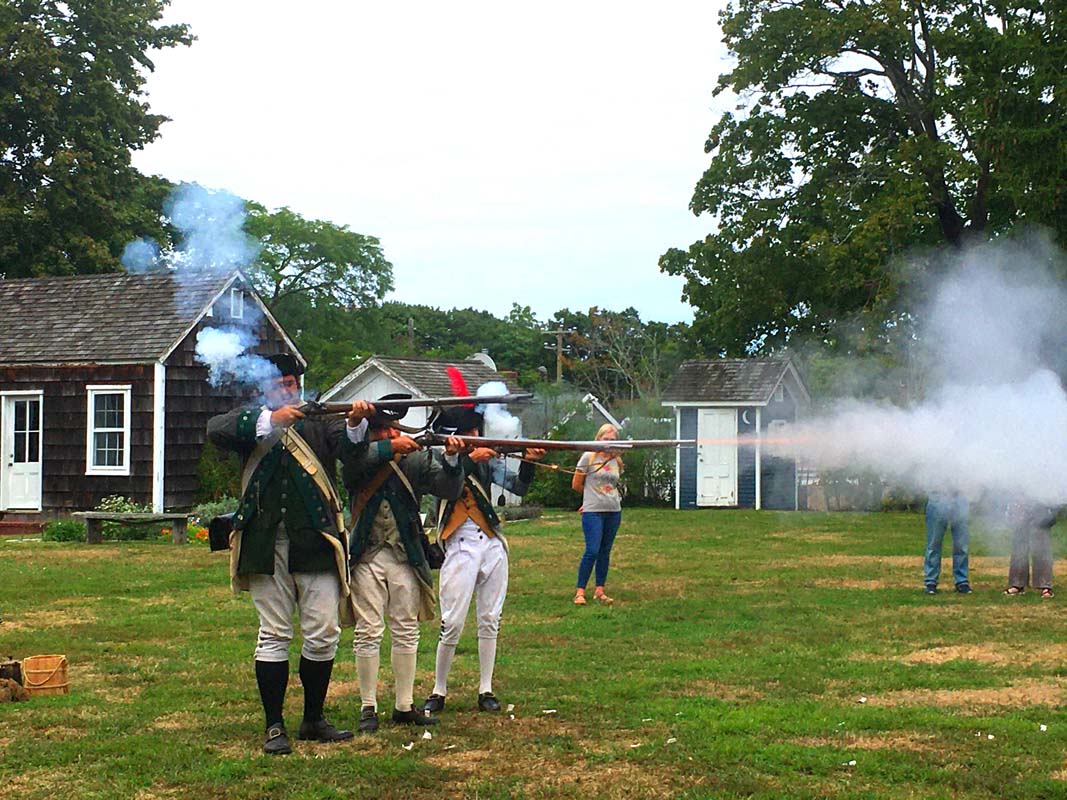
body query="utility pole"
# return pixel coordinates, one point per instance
(559, 348)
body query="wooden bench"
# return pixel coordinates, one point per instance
(94, 533)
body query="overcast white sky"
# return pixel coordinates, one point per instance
(542, 154)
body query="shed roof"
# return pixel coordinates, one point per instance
(425, 377)
(114, 317)
(745, 381)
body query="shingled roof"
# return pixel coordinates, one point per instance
(744, 381)
(110, 318)
(425, 376)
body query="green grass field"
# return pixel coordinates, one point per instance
(732, 664)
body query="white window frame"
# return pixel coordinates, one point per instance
(126, 390)
(237, 303)
(779, 393)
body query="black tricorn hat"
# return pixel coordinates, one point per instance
(388, 417)
(455, 419)
(286, 364)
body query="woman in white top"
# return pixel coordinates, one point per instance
(597, 478)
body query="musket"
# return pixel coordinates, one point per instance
(316, 409)
(516, 445)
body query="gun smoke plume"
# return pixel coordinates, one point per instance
(212, 243)
(994, 418)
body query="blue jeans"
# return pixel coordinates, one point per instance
(599, 528)
(941, 512)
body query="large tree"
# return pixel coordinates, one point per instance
(319, 261)
(71, 113)
(866, 128)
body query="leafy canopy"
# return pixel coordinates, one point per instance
(71, 113)
(867, 128)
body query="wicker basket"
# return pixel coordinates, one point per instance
(45, 675)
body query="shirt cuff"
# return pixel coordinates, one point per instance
(452, 459)
(358, 433)
(263, 424)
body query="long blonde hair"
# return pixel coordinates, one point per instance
(601, 431)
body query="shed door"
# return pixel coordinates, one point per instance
(717, 457)
(20, 469)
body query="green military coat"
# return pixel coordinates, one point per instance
(281, 491)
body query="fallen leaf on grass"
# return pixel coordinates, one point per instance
(408, 746)
(548, 711)
(427, 735)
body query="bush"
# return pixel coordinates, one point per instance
(219, 475)
(117, 504)
(205, 512)
(66, 530)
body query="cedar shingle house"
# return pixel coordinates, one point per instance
(100, 392)
(719, 400)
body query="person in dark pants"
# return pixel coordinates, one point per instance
(597, 478)
(288, 547)
(944, 510)
(1031, 546)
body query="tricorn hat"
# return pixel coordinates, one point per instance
(286, 364)
(455, 419)
(388, 417)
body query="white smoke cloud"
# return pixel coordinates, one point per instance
(212, 227)
(499, 422)
(140, 255)
(223, 350)
(995, 418)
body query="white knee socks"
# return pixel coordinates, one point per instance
(445, 654)
(367, 671)
(404, 674)
(486, 662)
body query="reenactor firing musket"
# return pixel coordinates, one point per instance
(401, 403)
(518, 445)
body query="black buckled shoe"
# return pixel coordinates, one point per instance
(434, 703)
(368, 720)
(964, 588)
(321, 731)
(413, 716)
(487, 702)
(277, 743)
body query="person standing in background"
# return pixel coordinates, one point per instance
(944, 509)
(597, 478)
(1031, 545)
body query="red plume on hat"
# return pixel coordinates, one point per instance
(459, 386)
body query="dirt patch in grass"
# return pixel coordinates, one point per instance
(719, 691)
(55, 617)
(911, 742)
(853, 583)
(1019, 695)
(178, 721)
(990, 653)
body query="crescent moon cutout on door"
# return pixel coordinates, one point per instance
(744, 417)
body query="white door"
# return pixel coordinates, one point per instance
(20, 469)
(717, 457)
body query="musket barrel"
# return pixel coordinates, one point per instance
(320, 409)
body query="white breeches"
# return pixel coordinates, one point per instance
(317, 596)
(474, 564)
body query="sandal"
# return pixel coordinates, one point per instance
(600, 597)
(579, 599)
(1047, 594)
(1012, 591)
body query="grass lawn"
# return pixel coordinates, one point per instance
(733, 664)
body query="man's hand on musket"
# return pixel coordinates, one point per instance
(533, 454)
(361, 410)
(402, 445)
(454, 445)
(285, 416)
(479, 455)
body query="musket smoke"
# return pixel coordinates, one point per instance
(224, 351)
(995, 417)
